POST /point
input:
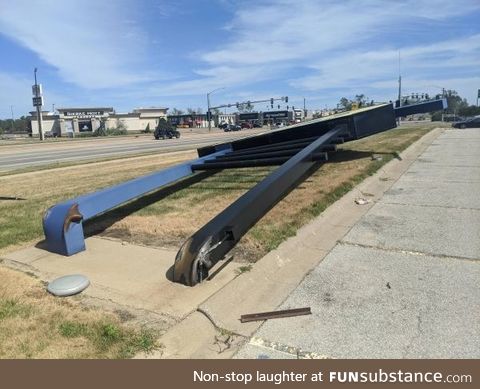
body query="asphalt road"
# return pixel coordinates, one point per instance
(20, 156)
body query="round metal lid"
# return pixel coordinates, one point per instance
(68, 285)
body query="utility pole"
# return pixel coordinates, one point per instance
(304, 110)
(399, 84)
(13, 120)
(38, 104)
(209, 114)
(444, 97)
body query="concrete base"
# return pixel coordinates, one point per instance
(125, 274)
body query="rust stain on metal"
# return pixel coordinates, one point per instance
(73, 216)
(275, 314)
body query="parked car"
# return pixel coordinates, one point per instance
(247, 125)
(232, 127)
(468, 123)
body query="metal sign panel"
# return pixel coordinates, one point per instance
(37, 90)
(275, 115)
(85, 114)
(248, 116)
(37, 101)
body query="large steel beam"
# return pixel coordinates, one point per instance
(429, 106)
(259, 155)
(359, 124)
(63, 223)
(211, 242)
(239, 164)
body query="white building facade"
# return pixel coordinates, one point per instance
(71, 121)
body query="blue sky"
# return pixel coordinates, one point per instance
(140, 53)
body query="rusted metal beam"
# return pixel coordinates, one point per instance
(275, 314)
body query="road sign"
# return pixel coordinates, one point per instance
(37, 101)
(37, 89)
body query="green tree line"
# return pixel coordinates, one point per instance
(16, 126)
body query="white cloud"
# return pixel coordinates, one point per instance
(351, 65)
(331, 41)
(93, 44)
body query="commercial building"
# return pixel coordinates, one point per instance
(200, 120)
(71, 121)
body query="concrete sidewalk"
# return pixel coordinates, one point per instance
(404, 281)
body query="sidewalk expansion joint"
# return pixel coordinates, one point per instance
(400, 251)
(430, 206)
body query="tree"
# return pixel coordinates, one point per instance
(245, 107)
(176, 112)
(454, 101)
(361, 100)
(471, 110)
(164, 125)
(346, 103)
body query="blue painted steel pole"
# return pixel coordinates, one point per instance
(63, 223)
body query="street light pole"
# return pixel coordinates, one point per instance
(209, 115)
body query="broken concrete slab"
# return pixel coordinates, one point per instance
(196, 338)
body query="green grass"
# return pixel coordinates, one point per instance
(243, 269)
(10, 308)
(110, 337)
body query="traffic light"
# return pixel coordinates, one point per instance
(286, 99)
(271, 102)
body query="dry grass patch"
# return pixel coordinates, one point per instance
(24, 198)
(167, 218)
(34, 324)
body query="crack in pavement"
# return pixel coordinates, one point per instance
(418, 253)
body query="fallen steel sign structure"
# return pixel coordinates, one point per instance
(297, 149)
